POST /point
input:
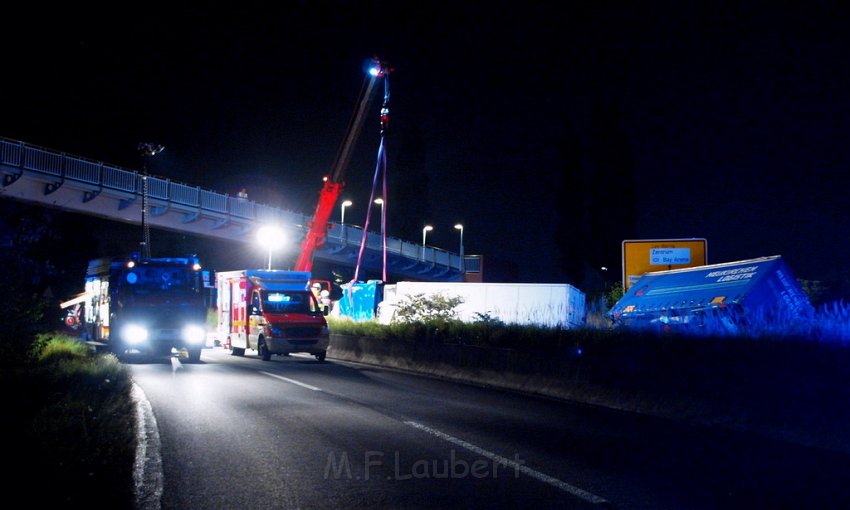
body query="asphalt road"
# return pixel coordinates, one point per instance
(296, 433)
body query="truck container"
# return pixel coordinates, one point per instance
(733, 297)
(150, 306)
(271, 312)
(541, 304)
(360, 300)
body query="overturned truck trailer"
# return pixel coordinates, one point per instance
(740, 297)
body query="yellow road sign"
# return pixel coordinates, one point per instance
(644, 255)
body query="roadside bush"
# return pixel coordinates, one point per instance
(596, 317)
(830, 325)
(487, 319)
(19, 339)
(23, 280)
(614, 294)
(419, 308)
(481, 334)
(52, 347)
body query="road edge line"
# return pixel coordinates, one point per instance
(147, 468)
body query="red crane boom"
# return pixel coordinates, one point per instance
(332, 188)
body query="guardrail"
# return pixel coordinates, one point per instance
(23, 156)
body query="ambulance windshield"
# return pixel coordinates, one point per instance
(288, 302)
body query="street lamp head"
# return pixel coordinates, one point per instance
(271, 237)
(425, 231)
(459, 226)
(379, 201)
(342, 211)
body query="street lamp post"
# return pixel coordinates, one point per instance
(342, 211)
(342, 220)
(425, 231)
(460, 227)
(272, 238)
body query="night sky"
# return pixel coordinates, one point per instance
(552, 134)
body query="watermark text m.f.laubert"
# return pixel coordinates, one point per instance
(339, 466)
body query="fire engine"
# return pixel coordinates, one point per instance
(151, 306)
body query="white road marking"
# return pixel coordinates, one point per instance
(147, 469)
(293, 381)
(564, 486)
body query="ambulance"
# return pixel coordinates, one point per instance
(270, 312)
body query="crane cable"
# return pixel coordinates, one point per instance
(380, 169)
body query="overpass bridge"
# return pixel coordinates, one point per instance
(58, 180)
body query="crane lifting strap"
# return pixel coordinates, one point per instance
(380, 170)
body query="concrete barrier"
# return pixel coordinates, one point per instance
(791, 391)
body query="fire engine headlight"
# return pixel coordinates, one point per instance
(134, 334)
(194, 334)
(278, 332)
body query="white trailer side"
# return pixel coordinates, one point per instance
(545, 304)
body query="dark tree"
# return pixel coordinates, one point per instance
(24, 278)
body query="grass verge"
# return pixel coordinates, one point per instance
(70, 413)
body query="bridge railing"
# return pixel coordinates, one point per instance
(119, 179)
(157, 188)
(11, 153)
(186, 195)
(83, 170)
(213, 201)
(16, 154)
(43, 161)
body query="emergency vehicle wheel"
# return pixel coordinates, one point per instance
(321, 356)
(264, 352)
